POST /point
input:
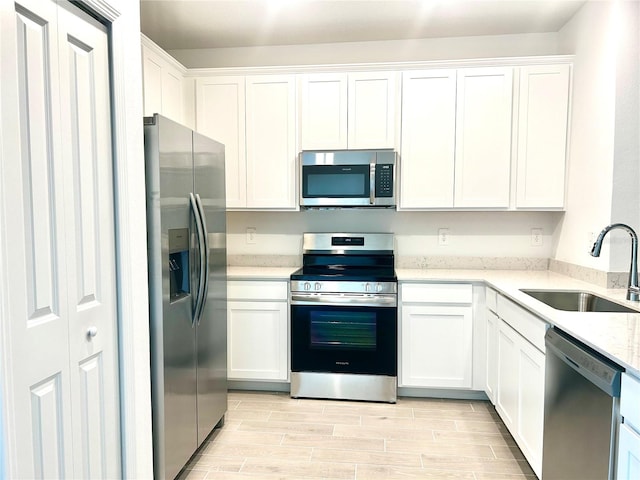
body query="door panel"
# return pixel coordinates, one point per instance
(86, 142)
(65, 397)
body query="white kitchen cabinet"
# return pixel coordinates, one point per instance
(519, 397)
(428, 139)
(542, 136)
(258, 331)
(221, 115)
(436, 335)
(491, 372)
(164, 84)
(323, 111)
(483, 138)
(271, 141)
(255, 117)
(348, 110)
(628, 455)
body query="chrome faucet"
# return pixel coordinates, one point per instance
(633, 291)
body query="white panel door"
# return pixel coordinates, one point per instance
(508, 376)
(542, 136)
(628, 459)
(531, 403)
(324, 111)
(257, 340)
(152, 81)
(492, 355)
(172, 94)
(483, 138)
(437, 346)
(220, 114)
(428, 139)
(63, 361)
(271, 141)
(372, 109)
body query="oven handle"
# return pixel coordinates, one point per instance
(341, 299)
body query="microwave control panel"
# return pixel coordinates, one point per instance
(384, 180)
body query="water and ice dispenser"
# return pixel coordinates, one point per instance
(179, 286)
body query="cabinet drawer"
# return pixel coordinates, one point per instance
(524, 322)
(257, 290)
(492, 299)
(630, 400)
(437, 293)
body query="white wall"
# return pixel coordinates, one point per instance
(593, 35)
(486, 234)
(489, 46)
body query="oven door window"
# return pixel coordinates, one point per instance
(335, 181)
(333, 330)
(344, 339)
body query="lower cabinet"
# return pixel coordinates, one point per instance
(628, 458)
(519, 391)
(258, 333)
(436, 336)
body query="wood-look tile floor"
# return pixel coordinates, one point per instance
(272, 436)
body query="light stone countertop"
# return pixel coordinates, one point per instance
(259, 273)
(615, 335)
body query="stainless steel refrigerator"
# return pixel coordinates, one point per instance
(186, 225)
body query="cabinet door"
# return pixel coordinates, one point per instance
(152, 81)
(436, 346)
(324, 111)
(542, 136)
(508, 375)
(483, 138)
(172, 94)
(428, 139)
(271, 141)
(257, 340)
(221, 115)
(372, 110)
(530, 403)
(628, 466)
(492, 355)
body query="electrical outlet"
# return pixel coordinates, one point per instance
(444, 238)
(536, 237)
(251, 235)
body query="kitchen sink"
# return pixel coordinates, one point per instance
(577, 301)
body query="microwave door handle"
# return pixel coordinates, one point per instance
(198, 219)
(372, 181)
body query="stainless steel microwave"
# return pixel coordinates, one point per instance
(348, 178)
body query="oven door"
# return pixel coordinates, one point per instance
(344, 334)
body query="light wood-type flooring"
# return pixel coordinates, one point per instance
(272, 436)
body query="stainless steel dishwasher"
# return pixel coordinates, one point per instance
(581, 411)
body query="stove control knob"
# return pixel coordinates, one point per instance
(307, 286)
(367, 287)
(317, 286)
(378, 287)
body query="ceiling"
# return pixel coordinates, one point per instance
(186, 24)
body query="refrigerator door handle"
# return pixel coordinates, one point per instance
(207, 253)
(196, 214)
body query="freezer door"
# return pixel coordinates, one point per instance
(211, 329)
(168, 156)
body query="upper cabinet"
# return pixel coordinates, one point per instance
(166, 90)
(428, 139)
(483, 138)
(255, 118)
(348, 110)
(542, 136)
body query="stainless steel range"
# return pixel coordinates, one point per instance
(344, 318)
